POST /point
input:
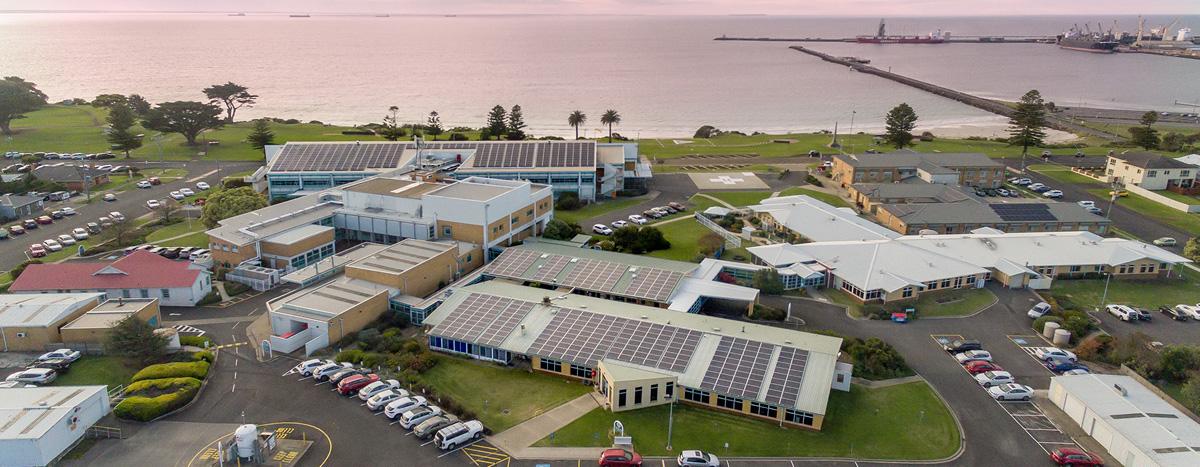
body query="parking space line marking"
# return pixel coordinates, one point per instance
(427, 443)
(1043, 429)
(458, 448)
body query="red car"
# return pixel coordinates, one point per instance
(37, 250)
(351, 385)
(1074, 456)
(975, 368)
(154, 181)
(620, 458)
(44, 220)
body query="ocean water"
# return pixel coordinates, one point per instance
(665, 75)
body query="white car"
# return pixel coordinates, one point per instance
(1086, 204)
(1165, 241)
(144, 184)
(153, 204)
(1122, 312)
(382, 399)
(974, 356)
(457, 434)
(637, 219)
(1011, 392)
(66, 239)
(110, 197)
(377, 387)
(37, 376)
(61, 354)
(1036, 186)
(323, 372)
(1039, 310)
(988, 379)
(52, 245)
(201, 186)
(186, 191)
(1053, 194)
(415, 416)
(394, 408)
(116, 216)
(1046, 354)
(697, 459)
(602, 229)
(68, 211)
(175, 195)
(80, 233)
(619, 223)
(1190, 311)
(1077, 371)
(305, 368)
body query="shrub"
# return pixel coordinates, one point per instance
(1040, 324)
(349, 355)
(567, 201)
(178, 392)
(198, 370)
(204, 356)
(211, 298)
(196, 341)
(1178, 361)
(235, 288)
(876, 359)
(370, 360)
(412, 346)
(769, 313)
(16, 272)
(811, 180)
(1095, 348)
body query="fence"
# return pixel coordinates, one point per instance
(1163, 200)
(732, 240)
(257, 277)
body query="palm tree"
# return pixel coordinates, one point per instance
(610, 118)
(576, 120)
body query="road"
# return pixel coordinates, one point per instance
(132, 203)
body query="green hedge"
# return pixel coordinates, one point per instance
(195, 341)
(198, 370)
(204, 356)
(144, 408)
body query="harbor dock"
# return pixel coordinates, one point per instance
(951, 40)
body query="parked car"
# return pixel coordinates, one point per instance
(1039, 310)
(637, 219)
(337, 378)
(1053, 194)
(306, 367)
(617, 457)
(1173, 313)
(57, 214)
(1143, 314)
(143, 184)
(68, 211)
(153, 204)
(175, 195)
(988, 379)
(197, 254)
(394, 408)
(116, 216)
(38, 376)
(36, 250)
(93, 227)
(602, 229)
(351, 385)
(110, 197)
(694, 458)
(65, 354)
(16, 230)
(1022, 181)
(1011, 392)
(1086, 203)
(1060, 366)
(105, 221)
(430, 427)
(44, 220)
(4, 234)
(1094, 210)
(1047, 354)
(1165, 241)
(171, 252)
(79, 233)
(677, 206)
(963, 346)
(461, 433)
(973, 356)
(323, 372)
(1190, 311)
(619, 224)
(1075, 456)
(30, 224)
(411, 418)
(668, 209)
(377, 387)
(52, 245)
(66, 239)
(1037, 186)
(1122, 312)
(1002, 192)
(381, 400)
(59, 365)
(202, 186)
(186, 192)
(651, 214)
(977, 367)
(154, 181)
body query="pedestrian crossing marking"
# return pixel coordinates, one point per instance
(189, 328)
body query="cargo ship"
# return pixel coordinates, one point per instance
(881, 37)
(1087, 41)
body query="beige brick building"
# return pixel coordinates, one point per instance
(31, 322)
(966, 169)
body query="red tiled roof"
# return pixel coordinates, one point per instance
(139, 270)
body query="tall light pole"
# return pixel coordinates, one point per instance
(1112, 200)
(1104, 298)
(670, 421)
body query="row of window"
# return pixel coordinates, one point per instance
(550, 365)
(481, 352)
(623, 400)
(873, 294)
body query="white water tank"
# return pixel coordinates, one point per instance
(1061, 337)
(246, 438)
(1048, 330)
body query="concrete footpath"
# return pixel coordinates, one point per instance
(516, 440)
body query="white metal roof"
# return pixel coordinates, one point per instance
(818, 221)
(1152, 425)
(881, 264)
(27, 413)
(1040, 248)
(33, 310)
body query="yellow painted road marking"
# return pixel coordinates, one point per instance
(323, 433)
(484, 447)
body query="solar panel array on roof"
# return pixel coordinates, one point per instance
(789, 373)
(584, 338)
(535, 154)
(343, 157)
(513, 262)
(654, 284)
(505, 155)
(591, 274)
(738, 368)
(1023, 212)
(549, 270)
(484, 319)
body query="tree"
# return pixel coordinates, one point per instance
(901, 121)
(497, 122)
(768, 281)
(516, 124)
(120, 120)
(1027, 125)
(136, 339)
(17, 97)
(433, 125)
(109, 100)
(576, 120)
(1178, 361)
(139, 104)
(168, 209)
(1192, 249)
(710, 243)
(261, 136)
(233, 96)
(558, 229)
(228, 203)
(610, 118)
(122, 233)
(1190, 393)
(391, 129)
(1146, 136)
(187, 118)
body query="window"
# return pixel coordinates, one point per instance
(529, 213)
(235, 248)
(125, 293)
(637, 395)
(446, 230)
(670, 390)
(550, 365)
(581, 371)
(958, 282)
(145, 293)
(653, 392)
(799, 417)
(729, 402)
(1152, 173)
(945, 283)
(695, 395)
(906, 292)
(1076, 268)
(766, 410)
(166, 293)
(621, 398)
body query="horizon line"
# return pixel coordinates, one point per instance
(366, 13)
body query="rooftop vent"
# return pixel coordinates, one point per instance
(1121, 390)
(544, 256)
(574, 260)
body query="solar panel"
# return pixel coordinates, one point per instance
(654, 284)
(584, 338)
(738, 368)
(1023, 212)
(593, 274)
(484, 319)
(315, 157)
(787, 377)
(513, 262)
(549, 270)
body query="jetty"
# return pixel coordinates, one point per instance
(950, 40)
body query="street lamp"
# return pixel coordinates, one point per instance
(1104, 297)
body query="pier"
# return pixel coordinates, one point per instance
(951, 40)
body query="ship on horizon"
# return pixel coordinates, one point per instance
(1084, 40)
(881, 37)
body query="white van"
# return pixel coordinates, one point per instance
(394, 408)
(411, 418)
(457, 434)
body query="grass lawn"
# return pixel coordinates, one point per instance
(118, 183)
(956, 302)
(902, 422)
(831, 199)
(756, 168)
(853, 306)
(89, 370)
(595, 209)
(1173, 217)
(763, 145)
(198, 240)
(740, 198)
(176, 229)
(1087, 293)
(683, 236)
(501, 397)
(700, 203)
(1064, 174)
(1178, 197)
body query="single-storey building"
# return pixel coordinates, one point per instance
(140, 274)
(637, 356)
(815, 220)
(41, 424)
(93, 327)
(31, 322)
(868, 196)
(72, 177)
(20, 206)
(966, 169)
(965, 216)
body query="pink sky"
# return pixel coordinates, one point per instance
(650, 7)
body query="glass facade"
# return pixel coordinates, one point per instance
(480, 352)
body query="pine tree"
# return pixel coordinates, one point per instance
(391, 129)
(497, 122)
(433, 125)
(262, 135)
(901, 121)
(1146, 136)
(516, 123)
(1027, 125)
(120, 120)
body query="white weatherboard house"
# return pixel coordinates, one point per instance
(37, 425)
